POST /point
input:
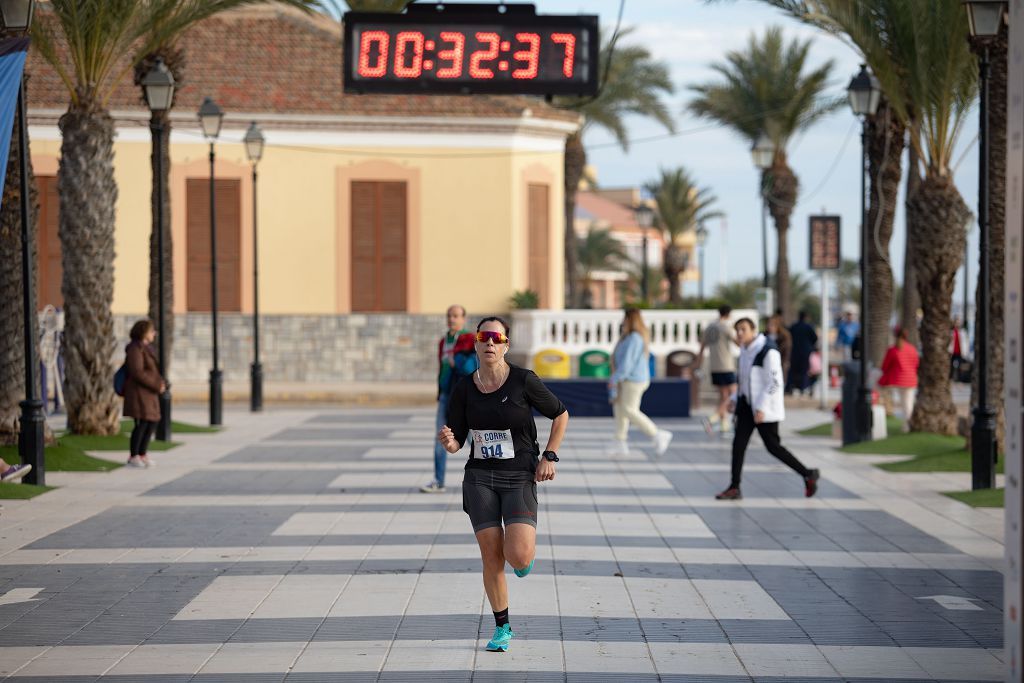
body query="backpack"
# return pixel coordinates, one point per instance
(120, 377)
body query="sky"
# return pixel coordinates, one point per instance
(688, 35)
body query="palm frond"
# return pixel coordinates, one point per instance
(636, 84)
(681, 204)
(766, 87)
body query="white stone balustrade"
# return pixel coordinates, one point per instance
(577, 331)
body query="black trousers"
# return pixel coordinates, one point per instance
(141, 435)
(769, 432)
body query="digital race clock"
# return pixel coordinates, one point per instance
(471, 48)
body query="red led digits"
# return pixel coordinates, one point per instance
(402, 42)
(531, 56)
(477, 71)
(366, 41)
(455, 54)
(567, 40)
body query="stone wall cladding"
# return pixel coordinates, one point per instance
(304, 348)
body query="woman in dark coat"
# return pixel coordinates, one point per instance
(142, 389)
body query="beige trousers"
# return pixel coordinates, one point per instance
(626, 409)
(906, 397)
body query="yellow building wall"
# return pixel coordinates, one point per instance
(467, 223)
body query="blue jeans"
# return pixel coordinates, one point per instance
(440, 453)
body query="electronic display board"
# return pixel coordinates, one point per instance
(471, 48)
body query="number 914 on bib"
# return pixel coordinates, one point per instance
(493, 444)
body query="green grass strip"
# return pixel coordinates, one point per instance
(117, 442)
(186, 428)
(893, 425)
(982, 498)
(21, 491)
(64, 458)
(913, 443)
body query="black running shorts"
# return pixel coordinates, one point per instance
(492, 496)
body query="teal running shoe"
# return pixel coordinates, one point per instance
(502, 637)
(524, 571)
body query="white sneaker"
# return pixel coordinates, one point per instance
(661, 441)
(617, 448)
(135, 461)
(432, 487)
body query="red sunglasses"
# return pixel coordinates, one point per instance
(496, 337)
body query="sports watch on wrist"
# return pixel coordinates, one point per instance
(550, 456)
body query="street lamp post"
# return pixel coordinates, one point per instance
(864, 93)
(702, 238)
(645, 219)
(159, 87)
(210, 118)
(984, 20)
(254, 150)
(763, 153)
(17, 17)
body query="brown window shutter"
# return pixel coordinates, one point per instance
(49, 268)
(364, 246)
(392, 243)
(378, 235)
(197, 239)
(538, 213)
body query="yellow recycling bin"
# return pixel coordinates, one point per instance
(553, 364)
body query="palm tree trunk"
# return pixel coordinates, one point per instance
(911, 298)
(675, 264)
(575, 161)
(997, 237)
(885, 151)
(939, 216)
(88, 197)
(156, 208)
(783, 187)
(12, 315)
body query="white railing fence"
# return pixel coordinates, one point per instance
(578, 331)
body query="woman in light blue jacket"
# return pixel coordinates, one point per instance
(629, 381)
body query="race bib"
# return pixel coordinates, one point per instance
(493, 444)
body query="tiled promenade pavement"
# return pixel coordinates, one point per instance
(295, 547)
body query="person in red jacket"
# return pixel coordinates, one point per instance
(899, 373)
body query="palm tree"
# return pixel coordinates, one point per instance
(84, 41)
(597, 250)
(764, 89)
(918, 51)
(681, 207)
(164, 45)
(634, 84)
(633, 289)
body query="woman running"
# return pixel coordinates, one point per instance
(495, 406)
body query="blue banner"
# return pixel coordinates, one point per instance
(12, 63)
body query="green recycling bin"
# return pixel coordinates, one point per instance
(594, 363)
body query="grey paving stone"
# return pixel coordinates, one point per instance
(264, 454)
(366, 430)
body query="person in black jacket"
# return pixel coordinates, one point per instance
(805, 340)
(493, 410)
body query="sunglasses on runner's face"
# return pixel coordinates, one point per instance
(496, 337)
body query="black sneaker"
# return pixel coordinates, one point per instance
(731, 493)
(811, 483)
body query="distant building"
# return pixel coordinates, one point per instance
(366, 203)
(372, 209)
(612, 209)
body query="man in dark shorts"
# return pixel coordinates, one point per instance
(493, 410)
(718, 340)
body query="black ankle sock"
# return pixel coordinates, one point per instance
(501, 618)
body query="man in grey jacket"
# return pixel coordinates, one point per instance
(759, 405)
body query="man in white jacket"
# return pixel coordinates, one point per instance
(759, 405)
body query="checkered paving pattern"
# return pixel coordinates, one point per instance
(297, 547)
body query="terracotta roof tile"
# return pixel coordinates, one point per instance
(276, 60)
